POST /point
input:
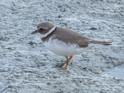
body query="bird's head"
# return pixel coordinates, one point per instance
(43, 28)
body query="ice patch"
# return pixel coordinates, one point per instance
(117, 72)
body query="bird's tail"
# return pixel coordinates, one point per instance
(104, 42)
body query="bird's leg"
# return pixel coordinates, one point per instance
(70, 57)
(67, 62)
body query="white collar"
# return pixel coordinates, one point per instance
(49, 32)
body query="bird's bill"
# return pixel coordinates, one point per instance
(34, 32)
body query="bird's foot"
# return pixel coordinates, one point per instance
(65, 67)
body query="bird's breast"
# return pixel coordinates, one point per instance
(61, 48)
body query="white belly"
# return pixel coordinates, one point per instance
(61, 48)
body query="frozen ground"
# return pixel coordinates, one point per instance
(27, 67)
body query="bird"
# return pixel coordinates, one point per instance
(63, 41)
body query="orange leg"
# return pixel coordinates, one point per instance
(67, 62)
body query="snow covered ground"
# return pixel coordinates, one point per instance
(26, 66)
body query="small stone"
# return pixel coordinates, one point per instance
(48, 83)
(59, 16)
(31, 43)
(93, 28)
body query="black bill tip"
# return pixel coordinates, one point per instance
(34, 32)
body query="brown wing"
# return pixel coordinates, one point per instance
(69, 36)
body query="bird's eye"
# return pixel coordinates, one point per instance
(41, 29)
